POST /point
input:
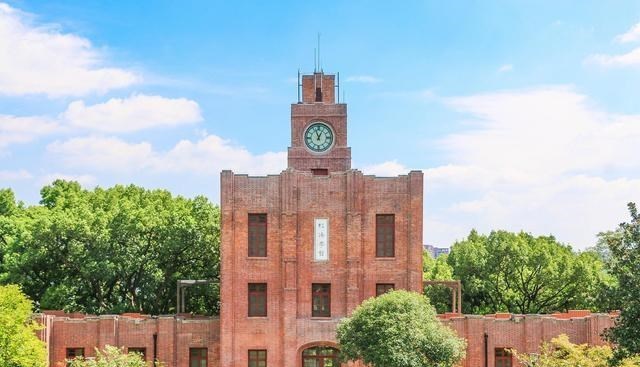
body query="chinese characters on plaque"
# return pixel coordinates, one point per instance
(321, 240)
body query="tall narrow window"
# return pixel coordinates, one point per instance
(257, 299)
(258, 358)
(321, 300)
(503, 357)
(197, 357)
(385, 235)
(318, 94)
(257, 235)
(382, 288)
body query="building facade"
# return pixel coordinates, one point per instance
(300, 251)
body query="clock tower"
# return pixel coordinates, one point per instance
(319, 127)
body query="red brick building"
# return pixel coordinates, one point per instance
(317, 239)
(300, 250)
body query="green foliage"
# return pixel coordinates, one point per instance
(437, 269)
(112, 250)
(110, 357)
(520, 273)
(624, 247)
(398, 329)
(560, 352)
(19, 345)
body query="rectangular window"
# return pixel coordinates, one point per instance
(382, 288)
(197, 357)
(141, 351)
(385, 235)
(257, 235)
(503, 357)
(320, 171)
(257, 299)
(321, 300)
(258, 358)
(72, 353)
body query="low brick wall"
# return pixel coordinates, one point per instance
(174, 335)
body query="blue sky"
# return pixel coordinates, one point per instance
(523, 115)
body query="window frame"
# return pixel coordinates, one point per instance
(386, 286)
(251, 294)
(199, 357)
(325, 298)
(385, 249)
(257, 233)
(256, 359)
(74, 349)
(505, 359)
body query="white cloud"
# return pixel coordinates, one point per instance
(207, 156)
(505, 68)
(632, 35)
(103, 154)
(386, 169)
(134, 113)
(363, 79)
(14, 175)
(541, 160)
(630, 58)
(15, 129)
(40, 59)
(84, 180)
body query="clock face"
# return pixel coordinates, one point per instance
(318, 137)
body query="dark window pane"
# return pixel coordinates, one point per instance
(257, 299)
(382, 288)
(258, 358)
(75, 352)
(321, 300)
(503, 357)
(257, 235)
(198, 357)
(385, 235)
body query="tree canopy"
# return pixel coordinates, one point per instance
(398, 329)
(560, 352)
(624, 263)
(19, 345)
(518, 272)
(110, 357)
(113, 250)
(437, 269)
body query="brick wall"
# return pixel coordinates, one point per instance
(524, 333)
(175, 335)
(292, 200)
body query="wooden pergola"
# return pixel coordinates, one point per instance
(456, 292)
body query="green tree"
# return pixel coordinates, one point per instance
(521, 273)
(560, 352)
(437, 269)
(19, 345)
(624, 247)
(110, 357)
(398, 329)
(112, 250)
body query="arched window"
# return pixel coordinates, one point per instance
(320, 357)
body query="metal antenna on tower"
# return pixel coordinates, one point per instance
(315, 60)
(319, 64)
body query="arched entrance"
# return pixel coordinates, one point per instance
(320, 356)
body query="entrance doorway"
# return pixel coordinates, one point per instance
(320, 357)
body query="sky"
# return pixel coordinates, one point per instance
(522, 115)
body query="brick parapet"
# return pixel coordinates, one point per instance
(175, 335)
